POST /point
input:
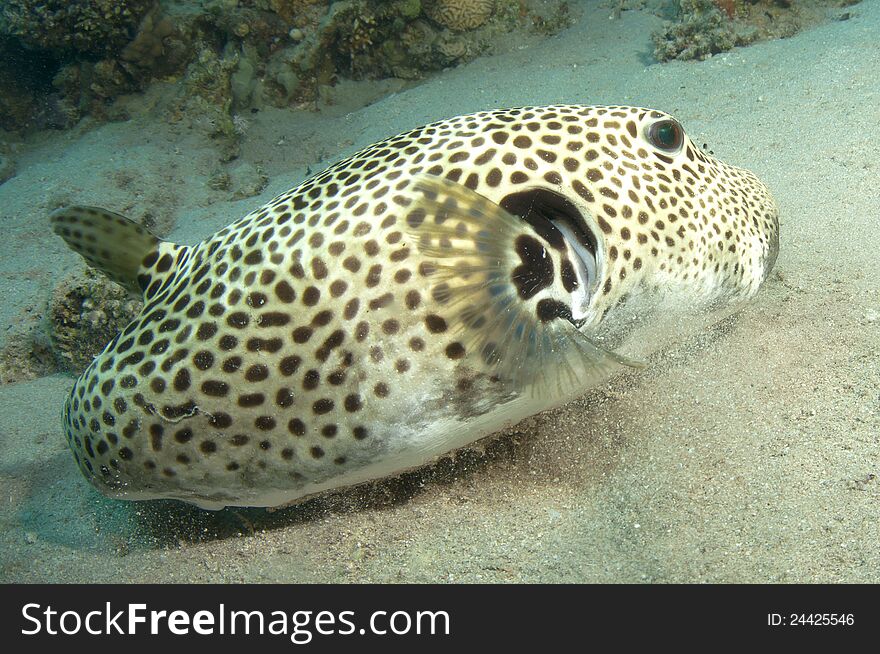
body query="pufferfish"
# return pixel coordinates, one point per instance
(426, 292)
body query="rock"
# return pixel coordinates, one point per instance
(246, 180)
(86, 311)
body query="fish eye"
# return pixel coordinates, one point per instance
(666, 135)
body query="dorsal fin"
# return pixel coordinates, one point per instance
(126, 252)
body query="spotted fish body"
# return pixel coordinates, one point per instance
(428, 291)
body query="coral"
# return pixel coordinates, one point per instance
(459, 15)
(703, 30)
(727, 6)
(86, 311)
(158, 46)
(363, 32)
(418, 37)
(206, 99)
(295, 12)
(293, 74)
(706, 27)
(234, 55)
(454, 49)
(546, 23)
(243, 83)
(282, 82)
(87, 87)
(409, 9)
(109, 79)
(61, 26)
(82, 82)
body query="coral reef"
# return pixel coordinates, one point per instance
(286, 51)
(459, 15)
(85, 312)
(158, 46)
(234, 55)
(86, 26)
(727, 6)
(157, 49)
(703, 28)
(702, 31)
(61, 60)
(408, 39)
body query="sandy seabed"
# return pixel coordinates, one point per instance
(747, 451)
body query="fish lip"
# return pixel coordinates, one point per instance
(587, 263)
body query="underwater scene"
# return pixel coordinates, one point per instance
(458, 291)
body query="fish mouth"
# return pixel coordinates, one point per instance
(559, 222)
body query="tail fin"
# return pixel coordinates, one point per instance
(120, 248)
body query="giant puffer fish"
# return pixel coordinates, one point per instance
(428, 291)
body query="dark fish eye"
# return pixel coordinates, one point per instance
(666, 135)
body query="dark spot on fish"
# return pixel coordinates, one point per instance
(536, 271)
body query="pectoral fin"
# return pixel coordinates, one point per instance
(469, 246)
